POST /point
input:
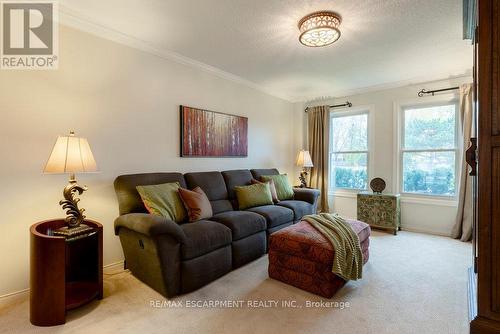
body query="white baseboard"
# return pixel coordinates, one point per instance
(11, 294)
(109, 267)
(113, 266)
(424, 231)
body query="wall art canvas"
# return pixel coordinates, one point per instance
(207, 133)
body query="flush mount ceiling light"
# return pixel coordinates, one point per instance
(319, 29)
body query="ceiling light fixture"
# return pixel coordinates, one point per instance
(319, 29)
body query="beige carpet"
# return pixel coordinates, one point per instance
(413, 283)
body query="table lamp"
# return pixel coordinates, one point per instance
(71, 155)
(304, 160)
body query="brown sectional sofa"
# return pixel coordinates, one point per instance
(178, 258)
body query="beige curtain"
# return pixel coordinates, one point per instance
(318, 120)
(463, 221)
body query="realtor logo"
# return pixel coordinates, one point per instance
(29, 35)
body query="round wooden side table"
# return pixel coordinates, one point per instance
(64, 273)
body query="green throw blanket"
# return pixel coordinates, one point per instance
(348, 259)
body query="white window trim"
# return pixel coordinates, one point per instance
(364, 109)
(399, 107)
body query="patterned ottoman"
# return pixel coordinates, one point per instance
(301, 256)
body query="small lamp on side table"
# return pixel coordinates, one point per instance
(71, 155)
(304, 160)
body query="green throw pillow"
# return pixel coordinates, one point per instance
(163, 200)
(283, 187)
(253, 195)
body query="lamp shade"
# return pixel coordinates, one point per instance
(304, 159)
(71, 155)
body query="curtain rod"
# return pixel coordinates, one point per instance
(346, 104)
(423, 91)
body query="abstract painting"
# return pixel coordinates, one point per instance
(212, 134)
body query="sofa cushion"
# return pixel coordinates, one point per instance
(221, 206)
(258, 173)
(275, 215)
(212, 183)
(300, 208)
(202, 237)
(241, 223)
(234, 178)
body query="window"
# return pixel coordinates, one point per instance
(429, 149)
(349, 150)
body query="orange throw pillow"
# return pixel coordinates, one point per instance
(197, 204)
(274, 194)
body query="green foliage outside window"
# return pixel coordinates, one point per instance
(430, 169)
(350, 178)
(440, 182)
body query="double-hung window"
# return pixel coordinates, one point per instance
(349, 150)
(429, 149)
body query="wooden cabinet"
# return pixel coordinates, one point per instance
(63, 274)
(380, 210)
(487, 232)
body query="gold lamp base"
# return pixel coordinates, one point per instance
(303, 178)
(74, 215)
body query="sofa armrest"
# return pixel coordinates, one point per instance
(307, 195)
(150, 225)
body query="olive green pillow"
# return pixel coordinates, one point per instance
(272, 188)
(283, 187)
(163, 200)
(253, 195)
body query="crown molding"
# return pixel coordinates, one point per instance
(76, 20)
(73, 19)
(341, 94)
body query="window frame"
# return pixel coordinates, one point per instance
(346, 112)
(424, 102)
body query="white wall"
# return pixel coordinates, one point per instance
(126, 103)
(421, 215)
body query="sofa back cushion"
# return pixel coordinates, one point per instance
(236, 178)
(257, 173)
(129, 200)
(212, 183)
